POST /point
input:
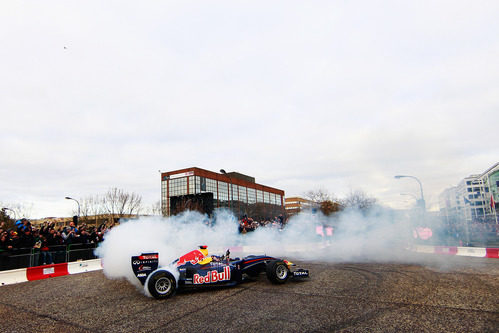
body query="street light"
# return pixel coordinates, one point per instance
(222, 171)
(418, 201)
(69, 198)
(423, 204)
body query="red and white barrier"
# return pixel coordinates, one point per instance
(13, 276)
(480, 252)
(48, 271)
(492, 253)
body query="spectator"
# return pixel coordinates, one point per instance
(46, 255)
(26, 240)
(68, 236)
(4, 242)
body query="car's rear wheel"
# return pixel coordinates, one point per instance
(162, 284)
(277, 272)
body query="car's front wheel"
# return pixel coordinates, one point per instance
(162, 284)
(277, 271)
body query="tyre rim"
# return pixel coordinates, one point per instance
(281, 272)
(163, 285)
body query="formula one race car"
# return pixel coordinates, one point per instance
(198, 270)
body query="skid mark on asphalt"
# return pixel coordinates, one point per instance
(360, 319)
(203, 307)
(42, 316)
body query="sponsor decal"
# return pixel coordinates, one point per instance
(50, 270)
(193, 257)
(144, 268)
(183, 174)
(141, 274)
(299, 273)
(212, 276)
(141, 262)
(148, 257)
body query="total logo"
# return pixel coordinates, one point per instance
(212, 276)
(148, 256)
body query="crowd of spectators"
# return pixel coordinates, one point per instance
(26, 236)
(248, 224)
(479, 232)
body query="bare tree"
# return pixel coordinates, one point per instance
(359, 200)
(118, 203)
(23, 210)
(318, 196)
(91, 206)
(155, 208)
(326, 202)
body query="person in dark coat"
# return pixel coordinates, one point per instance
(26, 240)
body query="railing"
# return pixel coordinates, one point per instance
(30, 257)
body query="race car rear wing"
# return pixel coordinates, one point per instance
(144, 265)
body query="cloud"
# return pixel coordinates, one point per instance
(299, 95)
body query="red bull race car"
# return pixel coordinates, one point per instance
(197, 269)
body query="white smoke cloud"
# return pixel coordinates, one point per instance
(376, 236)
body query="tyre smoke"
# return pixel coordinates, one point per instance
(357, 236)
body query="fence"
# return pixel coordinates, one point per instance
(30, 257)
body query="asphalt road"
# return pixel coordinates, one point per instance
(451, 295)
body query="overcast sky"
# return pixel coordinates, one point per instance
(301, 95)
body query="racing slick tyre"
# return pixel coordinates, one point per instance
(277, 272)
(161, 284)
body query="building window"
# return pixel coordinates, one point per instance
(178, 186)
(251, 195)
(223, 194)
(242, 194)
(259, 196)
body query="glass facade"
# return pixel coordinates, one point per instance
(178, 187)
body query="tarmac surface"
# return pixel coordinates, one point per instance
(450, 294)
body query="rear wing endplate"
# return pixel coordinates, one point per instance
(144, 265)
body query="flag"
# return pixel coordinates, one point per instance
(466, 201)
(492, 202)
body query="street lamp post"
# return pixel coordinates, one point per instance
(69, 198)
(423, 204)
(410, 194)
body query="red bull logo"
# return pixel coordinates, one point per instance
(193, 257)
(212, 276)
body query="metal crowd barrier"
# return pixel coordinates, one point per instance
(30, 257)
